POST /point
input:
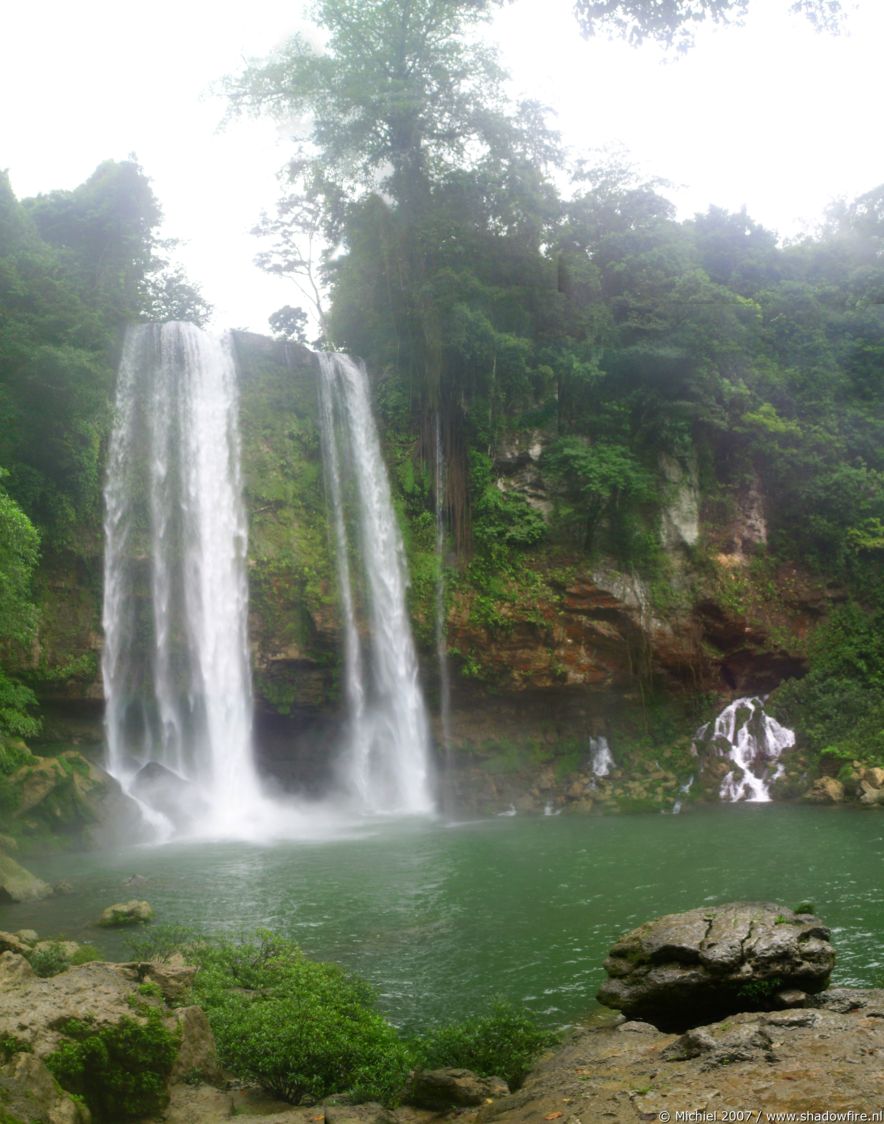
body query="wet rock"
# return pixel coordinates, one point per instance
(165, 791)
(453, 1088)
(686, 969)
(126, 913)
(18, 884)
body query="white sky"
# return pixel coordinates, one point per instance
(772, 116)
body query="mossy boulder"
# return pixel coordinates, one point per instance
(126, 913)
(18, 884)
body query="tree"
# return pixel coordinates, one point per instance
(19, 545)
(672, 22)
(421, 183)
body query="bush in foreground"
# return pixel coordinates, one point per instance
(503, 1043)
(300, 1028)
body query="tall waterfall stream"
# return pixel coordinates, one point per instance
(177, 678)
(387, 765)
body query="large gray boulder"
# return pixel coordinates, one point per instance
(687, 969)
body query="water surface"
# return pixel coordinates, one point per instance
(443, 918)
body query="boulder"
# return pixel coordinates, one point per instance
(197, 1053)
(687, 969)
(18, 884)
(168, 793)
(13, 942)
(29, 1092)
(453, 1088)
(370, 1113)
(825, 790)
(125, 913)
(173, 980)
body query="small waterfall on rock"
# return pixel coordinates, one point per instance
(601, 761)
(386, 763)
(683, 790)
(753, 741)
(176, 664)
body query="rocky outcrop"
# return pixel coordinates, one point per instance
(29, 1092)
(453, 1088)
(70, 796)
(785, 1061)
(685, 968)
(35, 1014)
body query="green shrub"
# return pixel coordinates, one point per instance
(85, 954)
(503, 1043)
(160, 942)
(52, 958)
(120, 1071)
(10, 1046)
(300, 1028)
(49, 960)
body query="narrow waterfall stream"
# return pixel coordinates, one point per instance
(387, 762)
(176, 664)
(439, 624)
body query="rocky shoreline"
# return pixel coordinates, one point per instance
(788, 1042)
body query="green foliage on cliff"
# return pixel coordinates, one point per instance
(75, 267)
(838, 707)
(19, 543)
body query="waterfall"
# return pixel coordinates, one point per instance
(440, 628)
(386, 760)
(600, 760)
(683, 790)
(176, 672)
(753, 741)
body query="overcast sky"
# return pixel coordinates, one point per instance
(771, 116)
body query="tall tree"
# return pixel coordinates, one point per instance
(672, 22)
(406, 143)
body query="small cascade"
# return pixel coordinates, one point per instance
(683, 790)
(386, 765)
(753, 741)
(440, 627)
(601, 762)
(175, 663)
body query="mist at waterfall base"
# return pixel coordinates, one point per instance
(175, 664)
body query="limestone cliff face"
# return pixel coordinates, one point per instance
(719, 619)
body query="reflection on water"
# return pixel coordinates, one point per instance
(443, 918)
